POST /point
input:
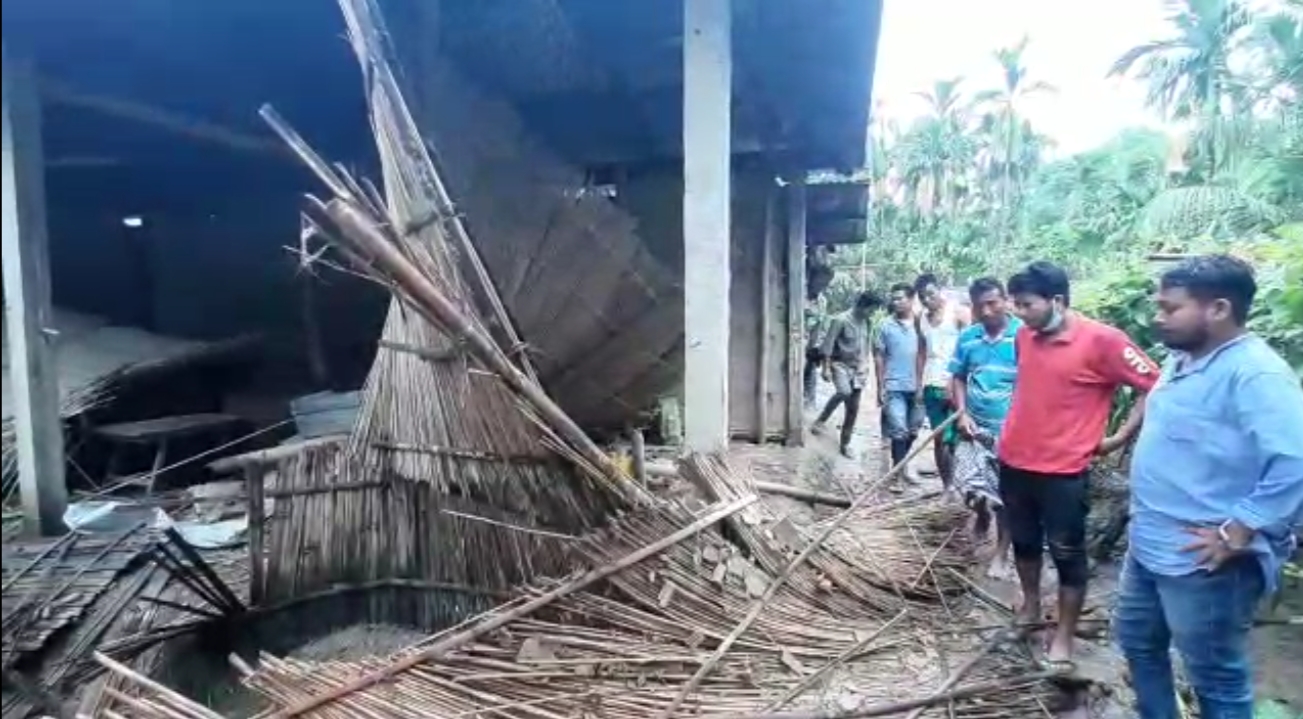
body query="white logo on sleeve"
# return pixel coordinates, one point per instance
(1137, 361)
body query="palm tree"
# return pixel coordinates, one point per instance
(1010, 135)
(1189, 73)
(1276, 41)
(938, 148)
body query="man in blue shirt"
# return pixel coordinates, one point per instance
(983, 371)
(1216, 487)
(900, 382)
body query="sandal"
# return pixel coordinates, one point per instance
(1059, 667)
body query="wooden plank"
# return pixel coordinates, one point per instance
(149, 430)
(28, 315)
(795, 312)
(237, 462)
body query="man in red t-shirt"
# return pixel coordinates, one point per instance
(1069, 369)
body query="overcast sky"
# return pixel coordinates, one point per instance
(1073, 44)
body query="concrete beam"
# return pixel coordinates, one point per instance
(707, 194)
(39, 430)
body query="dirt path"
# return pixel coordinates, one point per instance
(1278, 650)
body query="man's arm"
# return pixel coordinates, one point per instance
(880, 363)
(830, 340)
(920, 357)
(958, 369)
(1125, 364)
(1269, 408)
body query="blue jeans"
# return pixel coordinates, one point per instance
(903, 416)
(1207, 617)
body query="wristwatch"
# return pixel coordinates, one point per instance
(1225, 536)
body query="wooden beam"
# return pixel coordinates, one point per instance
(707, 196)
(795, 312)
(55, 92)
(33, 373)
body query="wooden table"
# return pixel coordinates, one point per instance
(157, 433)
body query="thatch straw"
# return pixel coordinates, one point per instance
(73, 403)
(908, 547)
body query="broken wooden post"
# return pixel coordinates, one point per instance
(255, 489)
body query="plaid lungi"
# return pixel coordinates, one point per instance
(977, 471)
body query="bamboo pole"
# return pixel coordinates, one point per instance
(371, 242)
(889, 708)
(959, 674)
(255, 489)
(804, 495)
(858, 647)
(479, 629)
(180, 701)
(781, 579)
(639, 456)
(57, 92)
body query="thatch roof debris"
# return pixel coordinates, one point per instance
(120, 593)
(625, 647)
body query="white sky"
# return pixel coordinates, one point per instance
(1072, 46)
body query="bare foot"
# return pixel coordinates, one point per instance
(1029, 618)
(1001, 570)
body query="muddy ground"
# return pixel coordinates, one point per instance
(1277, 649)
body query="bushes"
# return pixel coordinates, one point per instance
(1121, 293)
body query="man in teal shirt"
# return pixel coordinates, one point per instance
(1216, 491)
(983, 372)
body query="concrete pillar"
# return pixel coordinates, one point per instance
(33, 375)
(707, 120)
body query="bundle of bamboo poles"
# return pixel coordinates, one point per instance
(330, 529)
(911, 547)
(452, 402)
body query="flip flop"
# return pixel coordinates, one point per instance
(1060, 667)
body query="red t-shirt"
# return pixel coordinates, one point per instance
(1064, 393)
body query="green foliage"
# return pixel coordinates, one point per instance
(966, 190)
(1205, 210)
(1122, 294)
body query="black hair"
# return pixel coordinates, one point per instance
(868, 300)
(925, 279)
(1215, 277)
(982, 285)
(902, 287)
(1043, 279)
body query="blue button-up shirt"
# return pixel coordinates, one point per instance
(1222, 439)
(989, 367)
(897, 342)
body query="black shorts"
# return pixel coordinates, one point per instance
(1045, 508)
